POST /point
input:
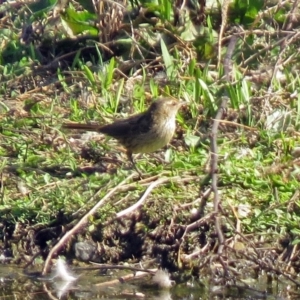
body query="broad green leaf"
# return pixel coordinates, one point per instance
(79, 22)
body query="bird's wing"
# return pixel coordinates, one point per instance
(136, 124)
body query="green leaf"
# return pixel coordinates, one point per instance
(166, 9)
(79, 22)
(168, 59)
(89, 74)
(247, 10)
(168, 155)
(205, 89)
(192, 140)
(109, 73)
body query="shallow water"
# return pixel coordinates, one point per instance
(14, 284)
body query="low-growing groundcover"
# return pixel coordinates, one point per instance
(69, 64)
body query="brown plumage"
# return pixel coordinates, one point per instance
(141, 133)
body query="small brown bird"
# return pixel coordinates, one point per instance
(143, 132)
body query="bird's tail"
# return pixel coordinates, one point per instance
(87, 127)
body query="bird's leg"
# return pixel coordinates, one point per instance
(130, 158)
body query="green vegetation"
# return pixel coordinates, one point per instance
(85, 63)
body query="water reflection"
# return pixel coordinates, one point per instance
(14, 284)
